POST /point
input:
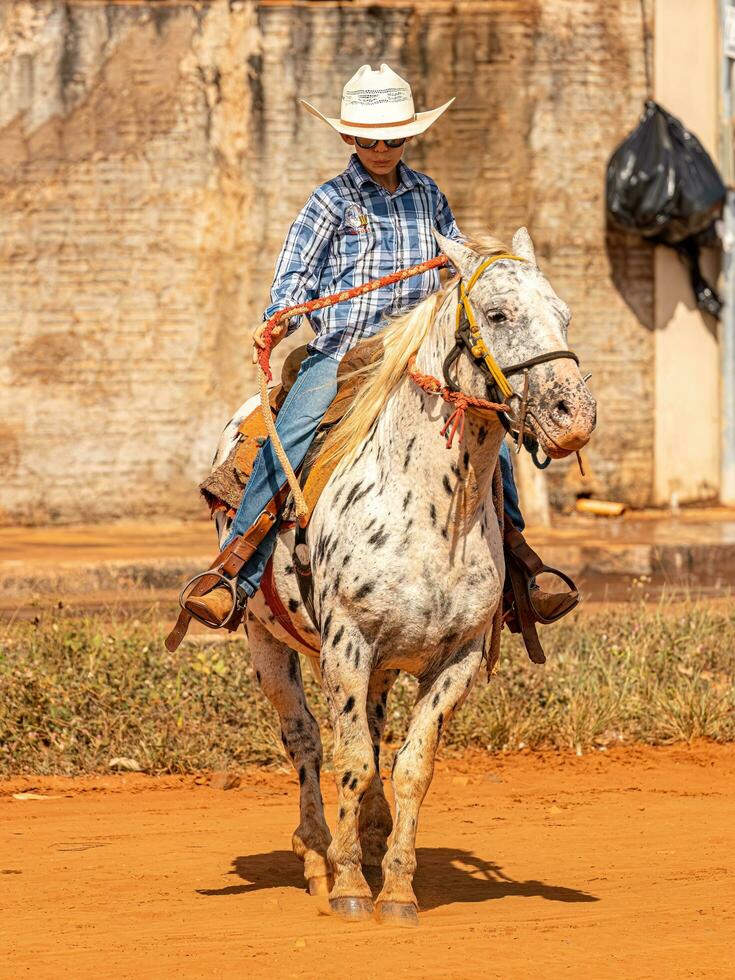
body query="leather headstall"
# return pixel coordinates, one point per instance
(468, 337)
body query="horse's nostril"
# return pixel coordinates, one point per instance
(561, 407)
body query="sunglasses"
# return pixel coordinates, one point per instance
(369, 144)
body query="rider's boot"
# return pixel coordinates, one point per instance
(214, 607)
(552, 605)
(212, 596)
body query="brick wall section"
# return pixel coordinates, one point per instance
(152, 157)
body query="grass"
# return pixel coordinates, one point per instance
(78, 692)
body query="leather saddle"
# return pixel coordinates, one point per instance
(224, 486)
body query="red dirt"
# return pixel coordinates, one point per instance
(614, 865)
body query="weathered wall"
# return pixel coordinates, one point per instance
(152, 156)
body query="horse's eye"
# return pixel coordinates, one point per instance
(497, 316)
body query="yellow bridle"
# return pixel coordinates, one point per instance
(479, 347)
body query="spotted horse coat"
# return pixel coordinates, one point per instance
(408, 568)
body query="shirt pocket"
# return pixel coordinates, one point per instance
(356, 251)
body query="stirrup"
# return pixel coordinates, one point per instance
(573, 592)
(238, 602)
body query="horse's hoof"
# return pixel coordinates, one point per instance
(404, 914)
(320, 885)
(352, 909)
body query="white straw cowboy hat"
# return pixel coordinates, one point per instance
(378, 105)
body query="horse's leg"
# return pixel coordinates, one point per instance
(376, 822)
(413, 768)
(346, 688)
(278, 671)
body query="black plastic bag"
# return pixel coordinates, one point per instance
(661, 182)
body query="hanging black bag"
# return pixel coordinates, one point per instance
(662, 184)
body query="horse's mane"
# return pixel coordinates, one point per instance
(401, 338)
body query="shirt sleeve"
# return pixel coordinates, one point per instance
(444, 220)
(300, 264)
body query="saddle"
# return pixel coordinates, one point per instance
(223, 488)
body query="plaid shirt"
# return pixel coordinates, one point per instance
(352, 230)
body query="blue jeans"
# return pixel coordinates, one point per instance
(296, 423)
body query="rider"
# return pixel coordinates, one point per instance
(373, 218)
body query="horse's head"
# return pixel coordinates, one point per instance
(520, 318)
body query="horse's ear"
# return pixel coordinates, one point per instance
(462, 258)
(523, 246)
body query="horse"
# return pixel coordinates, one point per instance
(407, 564)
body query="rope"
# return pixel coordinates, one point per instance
(264, 354)
(302, 508)
(461, 401)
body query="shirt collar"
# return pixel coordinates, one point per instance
(406, 176)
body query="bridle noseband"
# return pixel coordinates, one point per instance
(468, 337)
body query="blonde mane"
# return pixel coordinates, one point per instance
(401, 339)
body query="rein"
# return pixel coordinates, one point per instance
(264, 355)
(467, 335)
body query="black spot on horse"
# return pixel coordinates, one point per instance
(349, 705)
(293, 605)
(432, 514)
(446, 484)
(440, 724)
(365, 590)
(379, 538)
(435, 701)
(338, 636)
(288, 570)
(409, 449)
(302, 775)
(326, 627)
(347, 777)
(350, 497)
(353, 784)
(481, 435)
(407, 499)
(364, 493)
(466, 459)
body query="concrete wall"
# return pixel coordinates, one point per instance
(687, 376)
(153, 155)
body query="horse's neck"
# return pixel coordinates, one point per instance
(414, 418)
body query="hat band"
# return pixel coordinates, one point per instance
(379, 125)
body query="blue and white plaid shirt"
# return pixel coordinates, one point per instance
(352, 230)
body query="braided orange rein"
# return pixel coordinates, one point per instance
(322, 302)
(462, 402)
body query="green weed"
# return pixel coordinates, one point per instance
(75, 693)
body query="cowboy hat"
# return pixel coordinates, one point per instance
(378, 105)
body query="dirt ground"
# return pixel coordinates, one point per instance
(610, 865)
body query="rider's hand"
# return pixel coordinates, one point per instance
(279, 332)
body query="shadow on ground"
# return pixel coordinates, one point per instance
(444, 876)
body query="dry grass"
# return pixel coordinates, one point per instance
(77, 692)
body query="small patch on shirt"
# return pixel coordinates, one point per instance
(356, 219)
